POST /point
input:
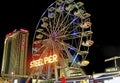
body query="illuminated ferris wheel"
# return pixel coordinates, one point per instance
(62, 39)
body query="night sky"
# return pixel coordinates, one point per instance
(105, 27)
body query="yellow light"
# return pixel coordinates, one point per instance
(50, 60)
(55, 58)
(46, 60)
(43, 61)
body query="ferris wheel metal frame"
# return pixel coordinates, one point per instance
(63, 34)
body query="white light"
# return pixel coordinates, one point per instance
(12, 73)
(15, 81)
(114, 80)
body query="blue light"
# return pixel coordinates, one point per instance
(74, 20)
(51, 4)
(74, 59)
(49, 14)
(62, 7)
(74, 33)
(71, 48)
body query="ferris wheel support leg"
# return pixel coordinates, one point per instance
(56, 72)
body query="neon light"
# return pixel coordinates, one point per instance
(40, 62)
(24, 30)
(23, 42)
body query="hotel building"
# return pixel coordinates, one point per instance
(15, 53)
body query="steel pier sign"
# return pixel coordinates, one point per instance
(45, 60)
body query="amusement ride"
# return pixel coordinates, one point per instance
(61, 41)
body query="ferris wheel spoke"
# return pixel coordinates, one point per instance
(75, 28)
(58, 21)
(48, 30)
(45, 34)
(69, 46)
(72, 27)
(38, 49)
(63, 22)
(67, 26)
(64, 25)
(44, 54)
(56, 14)
(50, 26)
(71, 36)
(68, 54)
(55, 19)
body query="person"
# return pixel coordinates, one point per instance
(63, 79)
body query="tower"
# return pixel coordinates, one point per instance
(15, 53)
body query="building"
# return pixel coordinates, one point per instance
(15, 53)
(112, 64)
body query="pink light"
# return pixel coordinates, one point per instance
(24, 30)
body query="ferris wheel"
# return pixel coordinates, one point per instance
(62, 39)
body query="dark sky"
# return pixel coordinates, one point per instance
(105, 25)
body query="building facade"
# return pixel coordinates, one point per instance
(15, 53)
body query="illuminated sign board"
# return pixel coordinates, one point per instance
(45, 60)
(111, 69)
